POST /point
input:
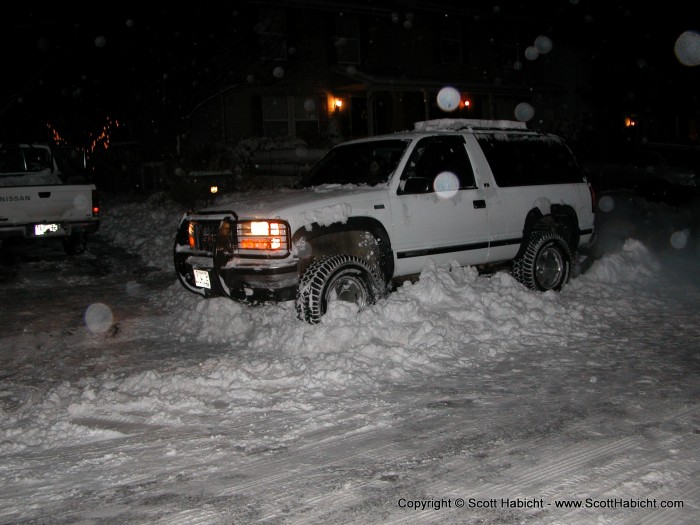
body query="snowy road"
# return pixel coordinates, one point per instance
(160, 407)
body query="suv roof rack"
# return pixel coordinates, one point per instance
(455, 124)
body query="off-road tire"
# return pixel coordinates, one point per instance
(361, 280)
(74, 244)
(545, 263)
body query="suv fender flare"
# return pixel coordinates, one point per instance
(566, 219)
(562, 219)
(366, 224)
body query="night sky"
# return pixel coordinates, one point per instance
(79, 70)
(148, 67)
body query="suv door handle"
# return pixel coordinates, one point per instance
(481, 203)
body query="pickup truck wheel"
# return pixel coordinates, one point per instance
(336, 278)
(74, 244)
(545, 264)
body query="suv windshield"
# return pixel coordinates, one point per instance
(370, 163)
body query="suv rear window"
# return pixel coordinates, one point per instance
(524, 160)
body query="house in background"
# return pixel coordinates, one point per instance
(324, 72)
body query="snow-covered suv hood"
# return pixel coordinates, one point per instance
(323, 204)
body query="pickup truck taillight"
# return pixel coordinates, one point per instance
(95, 204)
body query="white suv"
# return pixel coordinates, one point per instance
(373, 211)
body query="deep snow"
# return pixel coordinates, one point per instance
(125, 398)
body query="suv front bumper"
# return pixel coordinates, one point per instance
(260, 283)
(207, 263)
(243, 281)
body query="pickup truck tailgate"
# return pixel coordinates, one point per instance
(37, 204)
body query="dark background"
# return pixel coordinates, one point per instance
(140, 69)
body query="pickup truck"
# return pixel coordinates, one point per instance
(38, 201)
(372, 212)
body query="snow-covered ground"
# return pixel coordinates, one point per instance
(126, 399)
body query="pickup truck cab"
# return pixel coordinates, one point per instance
(374, 211)
(37, 201)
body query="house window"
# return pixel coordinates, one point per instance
(272, 34)
(347, 39)
(306, 117)
(275, 116)
(451, 40)
(286, 115)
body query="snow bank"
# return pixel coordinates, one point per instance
(634, 262)
(451, 319)
(263, 358)
(146, 228)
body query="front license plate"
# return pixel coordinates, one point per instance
(46, 229)
(201, 279)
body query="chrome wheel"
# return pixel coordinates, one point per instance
(545, 262)
(347, 287)
(549, 267)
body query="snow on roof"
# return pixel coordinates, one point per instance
(454, 124)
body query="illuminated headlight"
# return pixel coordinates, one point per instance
(269, 238)
(213, 189)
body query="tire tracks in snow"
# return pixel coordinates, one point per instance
(352, 471)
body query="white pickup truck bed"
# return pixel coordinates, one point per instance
(34, 203)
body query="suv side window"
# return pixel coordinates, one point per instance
(524, 160)
(433, 156)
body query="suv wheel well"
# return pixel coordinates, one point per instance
(357, 243)
(363, 237)
(562, 220)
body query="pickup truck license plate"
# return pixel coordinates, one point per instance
(201, 279)
(46, 229)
